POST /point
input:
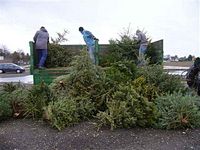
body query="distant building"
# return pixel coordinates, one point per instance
(193, 58)
(183, 58)
(170, 58)
(167, 58)
(174, 58)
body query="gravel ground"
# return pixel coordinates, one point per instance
(37, 135)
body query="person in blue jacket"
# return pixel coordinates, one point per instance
(89, 39)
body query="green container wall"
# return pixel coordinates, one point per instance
(156, 53)
(47, 75)
(33, 57)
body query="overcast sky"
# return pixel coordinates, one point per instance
(177, 22)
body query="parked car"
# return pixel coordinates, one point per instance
(10, 67)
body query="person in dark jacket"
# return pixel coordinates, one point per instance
(89, 39)
(41, 40)
(141, 38)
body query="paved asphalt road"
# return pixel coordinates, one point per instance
(15, 77)
(8, 75)
(22, 134)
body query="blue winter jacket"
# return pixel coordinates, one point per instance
(88, 38)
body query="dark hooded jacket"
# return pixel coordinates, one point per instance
(141, 37)
(41, 39)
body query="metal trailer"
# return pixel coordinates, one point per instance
(49, 74)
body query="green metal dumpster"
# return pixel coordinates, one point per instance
(46, 75)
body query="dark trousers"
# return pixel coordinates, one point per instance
(42, 55)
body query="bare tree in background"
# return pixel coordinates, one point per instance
(19, 57)
(4, 51)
